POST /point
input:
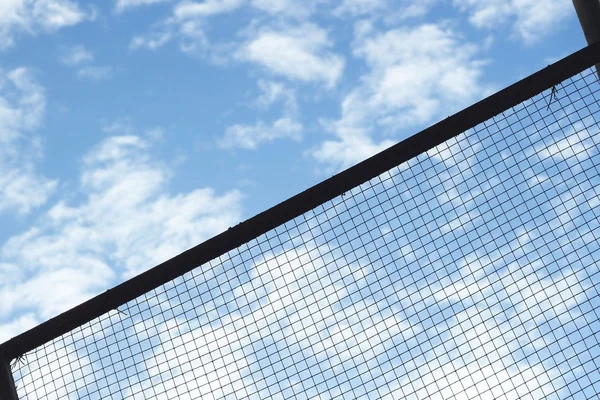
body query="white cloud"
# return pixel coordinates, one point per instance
(285, 291)
(390, 12)
(575, 145)
(350, 147)
(95, 73)
(69, 286)
(187, 10)
(251, 136)
(35, 16)
(289, 8)
(459, 381)
(18, 325)
(303, 305)
(80, 58)
(206, 347)
(300, 52)
(55, 14)
(273, 92)
(360, 7)
(416, 74)
(120, 126)
(396, 11)
(22, 106)
(275, 6)
(187, 23)
(126, 5)
(531, 19)
(297, 53)
(77, 55)
(127, 222)
(151, 41)
(23, 189)
(421, 72)
(226, 349)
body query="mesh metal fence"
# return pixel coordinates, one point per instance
(470, 271)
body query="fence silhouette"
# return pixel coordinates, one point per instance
(460, 263)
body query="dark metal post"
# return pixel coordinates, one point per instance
(8, 391)
(588, 12)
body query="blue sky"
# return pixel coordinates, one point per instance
(131, 130)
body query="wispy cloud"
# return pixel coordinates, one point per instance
(187, 10)
(187, 23)
(272, 92)
(127, 5)
(95, 73)
(531, 20)
(120, 126)
(250, 137)
(81, 59)
(416, 74)
(22, 107)
(288, 8)
(77, 55)
(35, 16)
(360, 7)
(126, 222)
(350, 147)
(151, 41)
(397, 11)
(298, 53)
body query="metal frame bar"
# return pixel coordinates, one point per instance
(588, 12)
(299, 204)
(8, 390)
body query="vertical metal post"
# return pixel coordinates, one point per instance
(8, 391)
(588, 12)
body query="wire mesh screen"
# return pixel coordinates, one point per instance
(467, 272)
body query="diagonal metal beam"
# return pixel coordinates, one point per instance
(588, 12)
(303, 202)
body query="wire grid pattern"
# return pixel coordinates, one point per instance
(470, 271)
